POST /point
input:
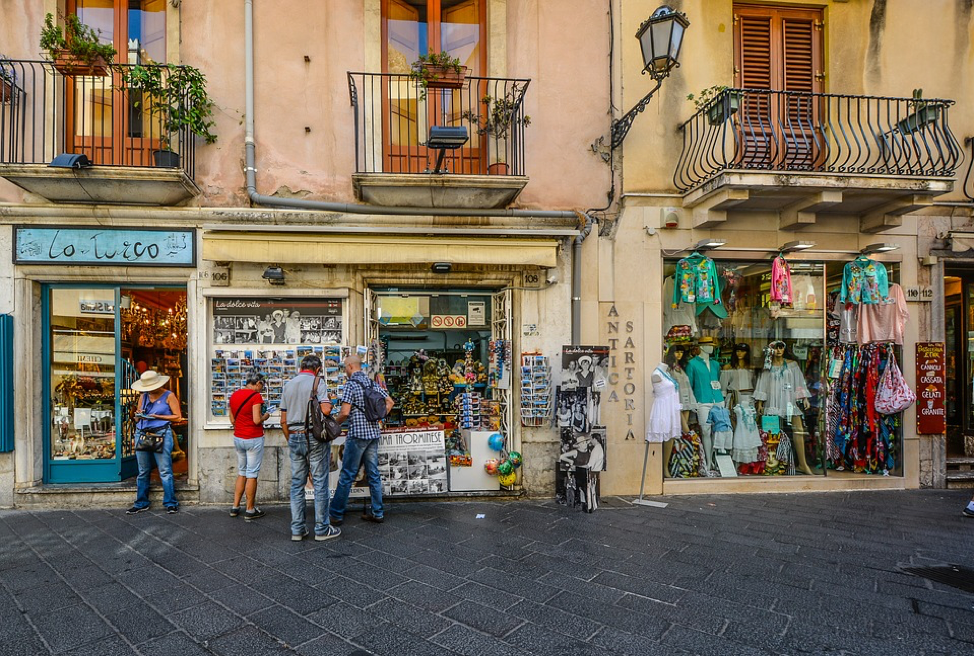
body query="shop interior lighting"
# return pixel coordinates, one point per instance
(709, 244)
(879, 248)
(792, 246)
(274, 275)
(71, 161)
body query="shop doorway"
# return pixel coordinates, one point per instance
(440, 364)
(959, 355)
(97, 341)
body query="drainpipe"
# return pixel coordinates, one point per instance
(359, 208)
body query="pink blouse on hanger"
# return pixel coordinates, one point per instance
(884, 322)
(781, 281)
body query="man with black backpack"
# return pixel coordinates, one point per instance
(365, 404)
(301, 394)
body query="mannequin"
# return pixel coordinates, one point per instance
(664, 419)
(676, 360)
(737, 377)
(782, 388)
(704, 375)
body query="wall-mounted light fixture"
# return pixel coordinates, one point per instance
(792, 246)
(444, 138)
(71, 161)
(442, 267)
(709, 244)
(274, 275)
(879, 248)
(660, 38)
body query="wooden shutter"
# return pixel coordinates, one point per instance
(778, 49)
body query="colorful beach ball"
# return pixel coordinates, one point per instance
(491, 466)
(496, 441)
(507, 480)
(515, 459)
(505, 468)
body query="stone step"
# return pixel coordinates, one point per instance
(960, 476)
(960, 461)
(97, 495)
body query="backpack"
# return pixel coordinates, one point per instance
(322, 427)
(373, 402)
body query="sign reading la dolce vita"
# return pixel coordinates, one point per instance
(105, 246)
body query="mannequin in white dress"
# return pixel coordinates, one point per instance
(782, 392)
(737, 376)
(665, 420)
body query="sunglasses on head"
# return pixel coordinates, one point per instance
(778, 345)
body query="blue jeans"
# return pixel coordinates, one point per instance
(304, 459)
(356, 451)
(163, 462)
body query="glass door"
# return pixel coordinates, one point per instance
(82, 387)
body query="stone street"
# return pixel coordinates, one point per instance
(815, 573)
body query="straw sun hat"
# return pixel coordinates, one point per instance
(150, 380)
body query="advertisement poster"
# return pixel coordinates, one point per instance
(277, 321)
(931, 374)
(410, 462)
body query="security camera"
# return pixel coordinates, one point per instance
(552, 277)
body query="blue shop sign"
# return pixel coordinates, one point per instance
(105, 246)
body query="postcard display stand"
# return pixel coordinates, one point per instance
(535, 390)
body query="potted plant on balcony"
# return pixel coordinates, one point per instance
(437, 70)
(720, 102)
(76, 50)
(495, 122)
(922, 113)
(8, 80)
(177, 99)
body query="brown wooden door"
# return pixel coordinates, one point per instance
(779, 49)
(411, 28)
(102, 119)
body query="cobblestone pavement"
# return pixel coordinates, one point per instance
(754, 574)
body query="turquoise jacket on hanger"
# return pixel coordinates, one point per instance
(701, 378)
(696, 280)
(865, 281)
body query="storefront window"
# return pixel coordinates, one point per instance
(83, 374)
(763, 360)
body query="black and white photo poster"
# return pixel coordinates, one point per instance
(254, 321)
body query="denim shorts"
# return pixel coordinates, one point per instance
(250, 453)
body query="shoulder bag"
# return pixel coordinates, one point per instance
(320, 426)
(149, 440)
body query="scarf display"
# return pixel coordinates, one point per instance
(858, 438)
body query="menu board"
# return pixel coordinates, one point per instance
(931, 373)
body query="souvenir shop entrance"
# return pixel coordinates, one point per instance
(444, 355)
(97, 341)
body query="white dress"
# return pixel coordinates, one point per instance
(664, 419)
(747, 438)
(780, 388)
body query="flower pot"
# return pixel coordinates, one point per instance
(165, 159)
(918, 119)
(498, 168)
(724, 108)
(68, 64)
(444, 78)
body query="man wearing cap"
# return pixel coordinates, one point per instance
(307, 453)
(156, 410)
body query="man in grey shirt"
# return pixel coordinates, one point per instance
(307, 453)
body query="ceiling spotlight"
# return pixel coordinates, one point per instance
(792, 246)
(274, 275)
(709, 244)
(879, 248)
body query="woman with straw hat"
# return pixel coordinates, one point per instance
(157, 409)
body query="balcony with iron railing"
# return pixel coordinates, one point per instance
(133, 157)
(801, 154)
(394, 163)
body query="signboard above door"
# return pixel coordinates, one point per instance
(98, 246)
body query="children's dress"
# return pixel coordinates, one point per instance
(747, 437)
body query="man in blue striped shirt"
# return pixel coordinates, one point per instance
(361, 443)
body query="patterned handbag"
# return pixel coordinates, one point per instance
(894, 394)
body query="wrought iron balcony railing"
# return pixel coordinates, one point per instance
(44, 113)
(394, 113)
(795, 131)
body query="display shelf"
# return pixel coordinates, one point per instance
(535, 389)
